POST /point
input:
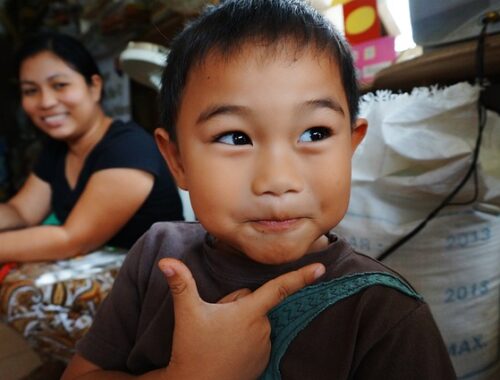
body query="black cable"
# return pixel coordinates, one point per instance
(482, 118)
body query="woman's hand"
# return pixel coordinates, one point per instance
(230, 339)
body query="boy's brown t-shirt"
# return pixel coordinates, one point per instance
(377, 333)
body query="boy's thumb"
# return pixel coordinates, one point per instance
(181, 282)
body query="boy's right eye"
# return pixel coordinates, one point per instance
(233, 138)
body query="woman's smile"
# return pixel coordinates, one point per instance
(55, 120)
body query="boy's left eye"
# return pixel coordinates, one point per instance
(234, 138)
(315, 134)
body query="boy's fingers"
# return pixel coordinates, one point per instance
(234, 296)
(181, 282)
(273, 292)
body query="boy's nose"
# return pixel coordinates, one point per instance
(277, 173)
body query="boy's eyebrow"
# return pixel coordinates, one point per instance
(220, 109)
(325, 103)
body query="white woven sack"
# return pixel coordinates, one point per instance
(417, 149)
(455, 265)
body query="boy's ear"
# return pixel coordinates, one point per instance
(358, 133)
(170, 152)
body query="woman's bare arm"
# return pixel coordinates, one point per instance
(110, 199)
(28, 207)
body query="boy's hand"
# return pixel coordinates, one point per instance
(228, 340)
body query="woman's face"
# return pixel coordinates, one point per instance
(57, 98)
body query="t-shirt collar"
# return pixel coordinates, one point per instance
(229, 266)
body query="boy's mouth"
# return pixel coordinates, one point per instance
(276, 225)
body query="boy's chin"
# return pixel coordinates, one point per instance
(275, 249)
(275, 255)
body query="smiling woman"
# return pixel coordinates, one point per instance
(104, 179)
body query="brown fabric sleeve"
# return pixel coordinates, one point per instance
(110, 338)
(412, 350)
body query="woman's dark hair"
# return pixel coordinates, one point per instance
(225, 27)
(67, 48)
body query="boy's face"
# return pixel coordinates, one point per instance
(264, 149)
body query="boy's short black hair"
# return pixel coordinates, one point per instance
(227, 26)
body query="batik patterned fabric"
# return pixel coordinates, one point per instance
(53, 304)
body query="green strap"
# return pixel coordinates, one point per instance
(297, 311)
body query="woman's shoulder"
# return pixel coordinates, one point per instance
(125, 131)
(126, 144)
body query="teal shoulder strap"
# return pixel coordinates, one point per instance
(297, 311)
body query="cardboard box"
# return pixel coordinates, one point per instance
(17, 358)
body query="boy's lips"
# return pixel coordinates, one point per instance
(276, 225)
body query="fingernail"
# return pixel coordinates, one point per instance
(168, 271)
(319, 271)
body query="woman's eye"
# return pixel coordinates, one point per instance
(234, 138)
(315, 134)
(59, 86)
(27, 91)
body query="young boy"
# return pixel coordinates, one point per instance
(260, 103)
